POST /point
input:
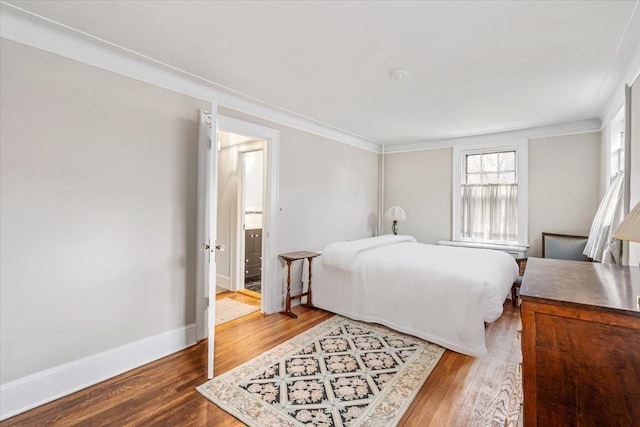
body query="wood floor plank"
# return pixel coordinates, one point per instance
(458, 392)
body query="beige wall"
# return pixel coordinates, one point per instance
(328, 190)
(227, 191)
(634, 248)
(563, 188)
(98, 179)
(98, 207)
(420, 182)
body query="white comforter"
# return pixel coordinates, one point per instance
(439, 293)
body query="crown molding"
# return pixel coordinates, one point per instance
(569, 128)
(41, 33)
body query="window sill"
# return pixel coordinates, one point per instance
(518, 251)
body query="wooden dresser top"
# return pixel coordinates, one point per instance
(601, 286)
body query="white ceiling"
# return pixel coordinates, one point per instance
(473, 67)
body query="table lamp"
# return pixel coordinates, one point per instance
(395, 214)
(629, 228)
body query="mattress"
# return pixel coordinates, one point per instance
(442, 294)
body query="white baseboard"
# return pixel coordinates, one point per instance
(223, 281)
(44, 386)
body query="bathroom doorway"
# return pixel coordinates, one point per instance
(250, 200)
(233, 137)
(241, 197)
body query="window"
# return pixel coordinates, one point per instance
(490, 194)
(489, 197)
(617, 145)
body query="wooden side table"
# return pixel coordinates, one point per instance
(289, 258)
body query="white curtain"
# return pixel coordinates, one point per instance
(489, 212)
(601, 246)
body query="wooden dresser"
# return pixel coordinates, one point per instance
(580, 344)
(252, 254)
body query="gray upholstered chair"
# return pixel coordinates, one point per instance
(563, 246)
(556, 246)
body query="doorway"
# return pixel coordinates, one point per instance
(270, 292)
(250, 214)
(240, 213)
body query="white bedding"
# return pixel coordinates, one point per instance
(439, 293)
(342, 255)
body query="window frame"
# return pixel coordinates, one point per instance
(616, 145)
(460, 152)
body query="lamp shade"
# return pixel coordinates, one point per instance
(629, 228)
(395, 213)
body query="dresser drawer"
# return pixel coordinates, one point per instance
(254, 270)
(253, 241)
(252, 259)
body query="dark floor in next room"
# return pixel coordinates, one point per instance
(254, 285)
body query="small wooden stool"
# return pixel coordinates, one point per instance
(289, 258)
(515, 288)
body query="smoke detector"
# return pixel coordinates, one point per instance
(398, 74)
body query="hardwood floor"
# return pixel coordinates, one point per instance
(247, 298)
(461, 390)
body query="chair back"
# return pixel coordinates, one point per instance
(563, 246)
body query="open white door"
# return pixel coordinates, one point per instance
(207, 221)
(213, 221)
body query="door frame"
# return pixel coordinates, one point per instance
(209, 124)
(270, 302)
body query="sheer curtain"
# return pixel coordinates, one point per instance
(601, 246)
(489, 212)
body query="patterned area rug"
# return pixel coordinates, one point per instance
(228, 310)
(339, 373)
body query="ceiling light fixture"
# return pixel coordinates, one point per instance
(398, 74)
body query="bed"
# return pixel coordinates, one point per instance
(442, 294)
